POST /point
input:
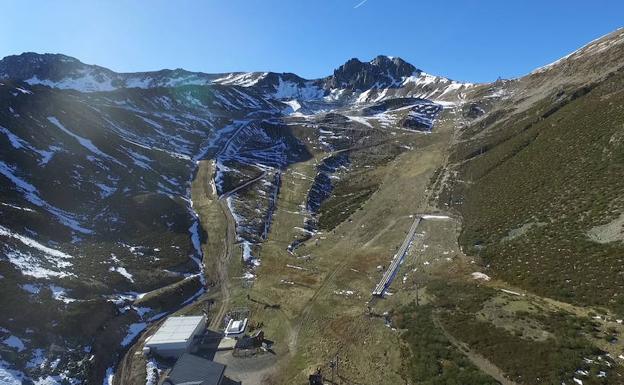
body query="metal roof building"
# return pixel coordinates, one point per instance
(190, 369)
(175, 336)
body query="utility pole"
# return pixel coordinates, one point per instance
(417, 304)
(415, 282)
(337, 362)
(333, 364)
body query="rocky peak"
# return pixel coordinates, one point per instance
(396, 65)
(381, 72)
(44, 66)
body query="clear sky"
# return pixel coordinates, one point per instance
(465, 40)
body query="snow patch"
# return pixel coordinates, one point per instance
(480, 276)
(291, 90)
(14, 343)
(133, 331)
(56, 262)
(86, 143)
(10, 376)
(123, 272)
(293, 106)
(85, 82)
(244, 79)
(108, 377)
(436, 217)
(151, 368)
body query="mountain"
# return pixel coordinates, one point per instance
(96, 167)
(381, 72)
(103, 233)
(64, 72)
(380, 75)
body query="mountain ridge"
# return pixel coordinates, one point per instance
(65, 72)
(23, 67)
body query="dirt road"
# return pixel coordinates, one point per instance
(131, 369)
(478, 360)
(222, 266)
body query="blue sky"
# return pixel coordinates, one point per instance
(464, 40)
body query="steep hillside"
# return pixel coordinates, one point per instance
(96, 211)
(541, 172)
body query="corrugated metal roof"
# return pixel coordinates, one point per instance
(194, 369)
(176, 329)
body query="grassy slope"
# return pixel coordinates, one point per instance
(560, 165)
(312, 317)
(320, 319)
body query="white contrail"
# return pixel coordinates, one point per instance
(361, 3)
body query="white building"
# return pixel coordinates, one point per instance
(235, 329)
(175, 336)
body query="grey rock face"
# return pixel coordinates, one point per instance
(380, 72)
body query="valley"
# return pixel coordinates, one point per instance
(128, 198)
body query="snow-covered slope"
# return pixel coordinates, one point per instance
(94, 201)
(64, 72)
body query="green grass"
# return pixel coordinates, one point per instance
(343, 202)
(357, 185)
(524, 360)
(429, 357)
(559, 163)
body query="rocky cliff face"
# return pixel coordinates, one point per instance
(381, 72)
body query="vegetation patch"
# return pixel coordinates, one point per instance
(562, 353)
(429, 357)
(570, 148)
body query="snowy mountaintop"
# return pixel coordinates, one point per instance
(64, 72)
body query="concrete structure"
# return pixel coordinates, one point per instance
(191, 369)
(226, 344)
(390, 273)
(236, 329)
(175, 336)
